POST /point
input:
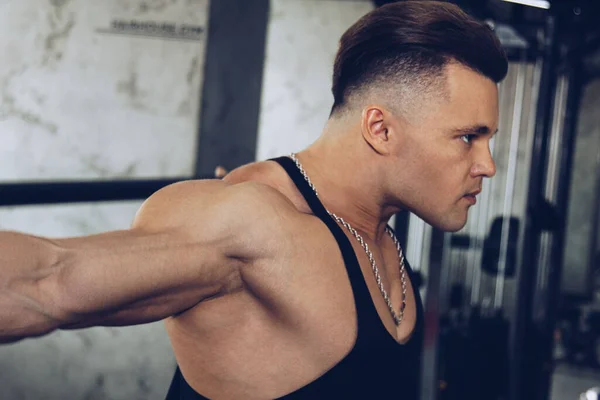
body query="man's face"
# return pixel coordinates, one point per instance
(444, 150)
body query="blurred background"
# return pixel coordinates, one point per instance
(102, 103)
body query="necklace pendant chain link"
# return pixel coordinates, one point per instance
(398, 317)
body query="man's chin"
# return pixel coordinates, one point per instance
(454, 228)
(448, 226)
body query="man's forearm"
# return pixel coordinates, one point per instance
(28, 267)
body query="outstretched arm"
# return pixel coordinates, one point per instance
(184, 246)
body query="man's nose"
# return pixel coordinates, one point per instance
(484, 164)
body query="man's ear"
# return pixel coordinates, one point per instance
(376, 129)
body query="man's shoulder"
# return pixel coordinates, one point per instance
(264, 181)
(214, 190)
(251, 201)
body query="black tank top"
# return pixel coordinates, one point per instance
(377, 367)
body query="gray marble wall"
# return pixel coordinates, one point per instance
(87, 92)
(79, 98)
(301, 45)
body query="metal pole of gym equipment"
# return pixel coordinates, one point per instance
(429, 366)
(233, 81)
(522, 339)
(35, 193)
(554, 272)
(594, 252)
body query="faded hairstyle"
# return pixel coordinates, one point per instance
(407, 45)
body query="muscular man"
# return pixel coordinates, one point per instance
(283, 280)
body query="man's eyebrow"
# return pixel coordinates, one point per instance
(475, 130)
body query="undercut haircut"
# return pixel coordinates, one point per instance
(409, 43)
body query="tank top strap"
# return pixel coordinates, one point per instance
(365, 308)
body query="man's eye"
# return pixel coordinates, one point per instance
(467, 138)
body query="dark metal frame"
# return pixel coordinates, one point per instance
(401, 227)
(429, 369)
(232, 89)
(522, 329)
(594, 253)
(551, 300)
(532, 332)
(21, 194)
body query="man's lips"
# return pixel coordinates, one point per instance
(471, 197)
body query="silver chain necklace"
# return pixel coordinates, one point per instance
(397, 317)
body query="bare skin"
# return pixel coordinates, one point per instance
(251, 285)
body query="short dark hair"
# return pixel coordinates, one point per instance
(413, 39)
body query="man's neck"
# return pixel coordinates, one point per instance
(347, 187)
